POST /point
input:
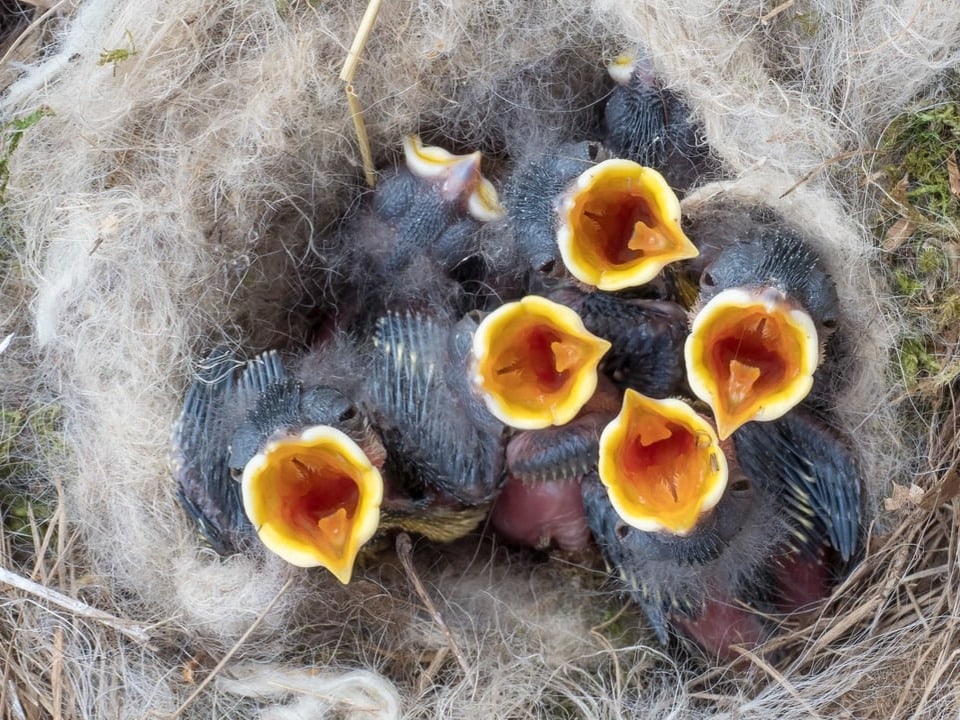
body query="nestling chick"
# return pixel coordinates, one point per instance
(651, 125)
(646, 337)
(418, 232)
(786, 520)
(431, 418)
(767, 308)
(613, 223)
(309, 464)
(540, 504)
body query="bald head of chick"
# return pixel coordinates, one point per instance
(767, 308)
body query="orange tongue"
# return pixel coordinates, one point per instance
(646, 239)
(565, 356)
(742, 379)
(333, 528)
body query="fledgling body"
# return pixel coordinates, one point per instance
(540, 504)
(646, 337)
(415, 241)
(652, 125)
(765, 325)
(779, 537)
(262, 454)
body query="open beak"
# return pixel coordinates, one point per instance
(314, 499)
(751, 355)
(459, 178)
(620, 225)
(534, 363)
(662, 464)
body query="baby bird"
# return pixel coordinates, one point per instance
(540, 504)
(308, 464)
(432, 419)
(709, 547)
(651, 125)
(766, 311)
(613, 223)
(416, 242)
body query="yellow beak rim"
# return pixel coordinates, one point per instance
(620, 226)
(662, 465)
(751, 356)
(534, 363)
(458, 175)
(314, 499)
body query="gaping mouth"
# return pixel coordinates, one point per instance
(662, 464)
(314, 499)
(751, 356)
(534, 363)
(459, 177)
(620, 225)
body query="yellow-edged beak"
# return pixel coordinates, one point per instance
(314, 499)
(662, 464)
(458, 176)
(621, 67)
(534, 363)
(751, 355)
(620, 225)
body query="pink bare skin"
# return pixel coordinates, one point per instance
(542, 514)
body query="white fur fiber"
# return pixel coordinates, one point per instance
(180, 197)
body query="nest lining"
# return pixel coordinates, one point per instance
(182, 196)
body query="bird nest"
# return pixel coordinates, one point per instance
(170, 172)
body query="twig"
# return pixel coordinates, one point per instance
(353, 102)
(356, 112)
(824, 164)
(405, 553)
(126, 627)
(765, 19)
(56, 673)
(29, 31)
(359, 41)
(778, 677)
(233, 651)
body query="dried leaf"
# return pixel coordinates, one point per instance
(953, 174)
(898, 234)
(903, 496)
(899, 191)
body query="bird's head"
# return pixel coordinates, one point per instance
(620, 225)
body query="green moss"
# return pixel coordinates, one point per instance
(924, 146)
(11, 133)
(930, 260)
(916, 360)
(25, 503)
(906, 283)
(119, 55)
(920, 156)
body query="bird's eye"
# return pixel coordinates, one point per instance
(621, 531)
(547, 267)
(740, 486)
(706, 280)
(593, 150)
(830, 322)
(348, 413)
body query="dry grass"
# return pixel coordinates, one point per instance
(76, 644)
